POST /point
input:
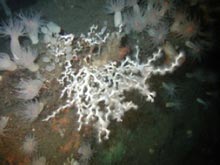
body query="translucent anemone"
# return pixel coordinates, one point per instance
(115, 6)
(28, 89)
(6, 63)
(31, 110)
(158, 34)
(26, 59)
(29, 145)
(135, 21)
(32, 22)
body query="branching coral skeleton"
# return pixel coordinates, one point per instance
(99, 92)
